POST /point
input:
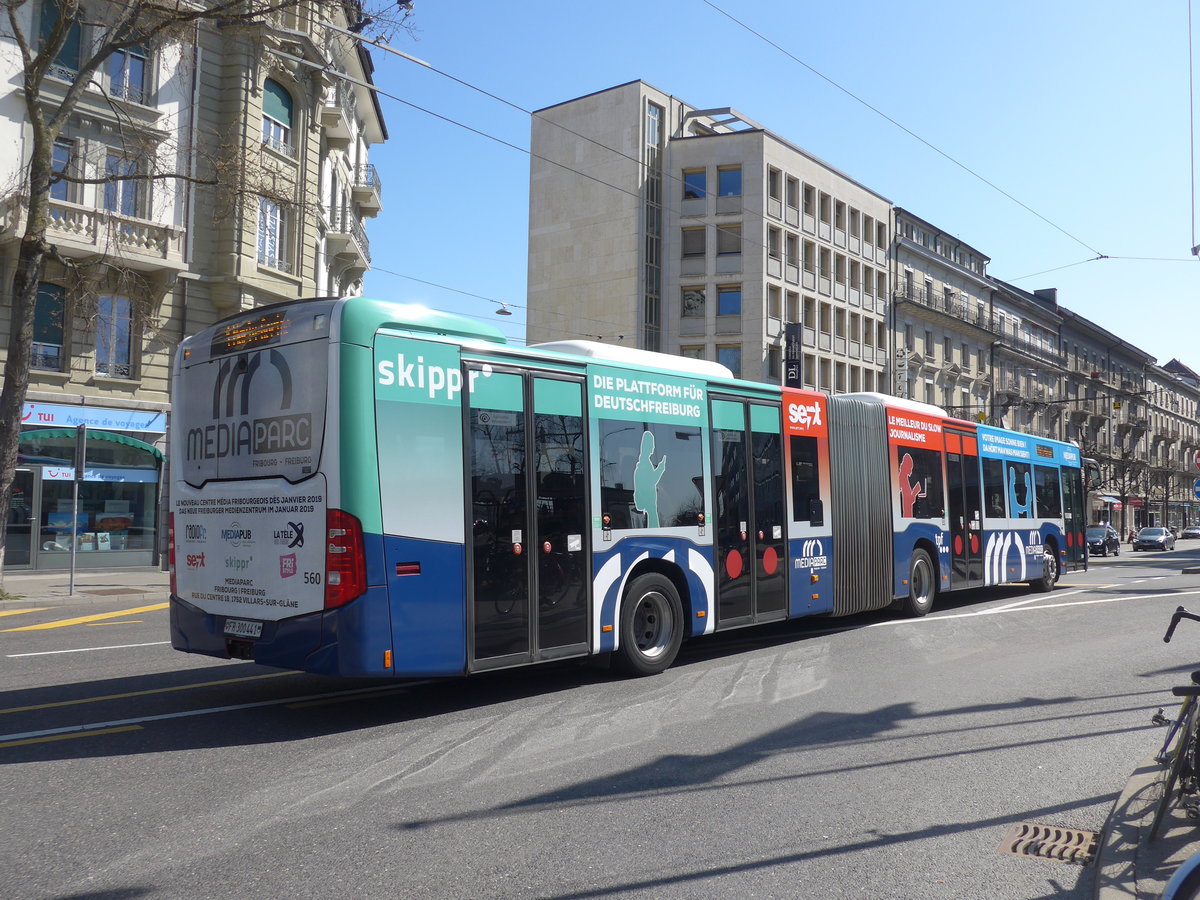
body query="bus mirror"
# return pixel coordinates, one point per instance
(816, 512)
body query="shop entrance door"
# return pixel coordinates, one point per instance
(18, 552)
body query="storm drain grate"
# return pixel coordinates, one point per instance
(1050, 842)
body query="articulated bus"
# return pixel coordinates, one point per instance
(366, 488)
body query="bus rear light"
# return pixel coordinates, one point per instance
(345, 559)
(171, 552)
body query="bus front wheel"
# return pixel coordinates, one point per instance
(922, 584)
(1049, 571)
(651, 628)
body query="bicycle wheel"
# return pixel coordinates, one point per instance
(1185, 742)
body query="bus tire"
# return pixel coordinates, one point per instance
(1049, 571)
(651, 627)
(922, 585)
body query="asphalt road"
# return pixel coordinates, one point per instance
(870, 757)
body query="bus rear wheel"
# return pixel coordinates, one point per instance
(922, 585)
(651, 627)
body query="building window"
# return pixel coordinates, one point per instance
(729, 240)
(272, 235)
(123, 194)
(791, 246)
(774, 184)
(793, 193)
(695, 184)
(729, 300)
(693, 242)
(67, 61)
(731, 358)
(127, 73)
(810, 257)
(277, 117)
(692, 352)
(693, 302)
(114, 337)
(839, 215)
(729, 182)
(810, 195)
(62, 162)
(774, 362)
(773, 301)
(773, 239)
(48, 315)
(825, 203)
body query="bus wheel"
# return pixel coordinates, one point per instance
(922, 585)
(651, 627)
(1049, 571)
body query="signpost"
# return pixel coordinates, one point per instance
(80, 461)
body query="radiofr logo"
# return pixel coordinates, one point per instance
(812, 555)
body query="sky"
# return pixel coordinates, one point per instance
(1044, 134)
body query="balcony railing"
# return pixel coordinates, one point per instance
(346, 236)
(339, 112)
(75, 230)
(955, 307)
(368, 188)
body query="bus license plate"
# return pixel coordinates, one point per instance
(243, 628)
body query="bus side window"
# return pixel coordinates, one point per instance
(806, 481)
(993, 488)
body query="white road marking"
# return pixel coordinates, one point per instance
(87, 649)
(188, 713)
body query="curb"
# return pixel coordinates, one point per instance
(1127, 865)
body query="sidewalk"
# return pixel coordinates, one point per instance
(141, 586)
(1127, 864)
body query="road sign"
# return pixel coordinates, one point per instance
(1196, 488)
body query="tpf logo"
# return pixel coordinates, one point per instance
(812, 555)
(807, 415)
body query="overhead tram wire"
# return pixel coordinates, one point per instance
(378, 44)
(906, 130)
(1192, 126)
(506, 303)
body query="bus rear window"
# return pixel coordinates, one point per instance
(253, 414)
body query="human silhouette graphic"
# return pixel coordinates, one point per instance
(1020, 510)
(646, 477)
(909, 492)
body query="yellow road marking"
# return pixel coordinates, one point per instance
(163, 690)
(17, 612)
(63, 623)
(67, 737)
(122, 622)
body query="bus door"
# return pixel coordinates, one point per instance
(964, 508)
(527, 474)
(749, 498)
(1074, 520)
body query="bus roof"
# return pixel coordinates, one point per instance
(630, 356)
(363, 316)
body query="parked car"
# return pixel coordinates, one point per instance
(1103, 540)
(1192, 531)
(1154, 539)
